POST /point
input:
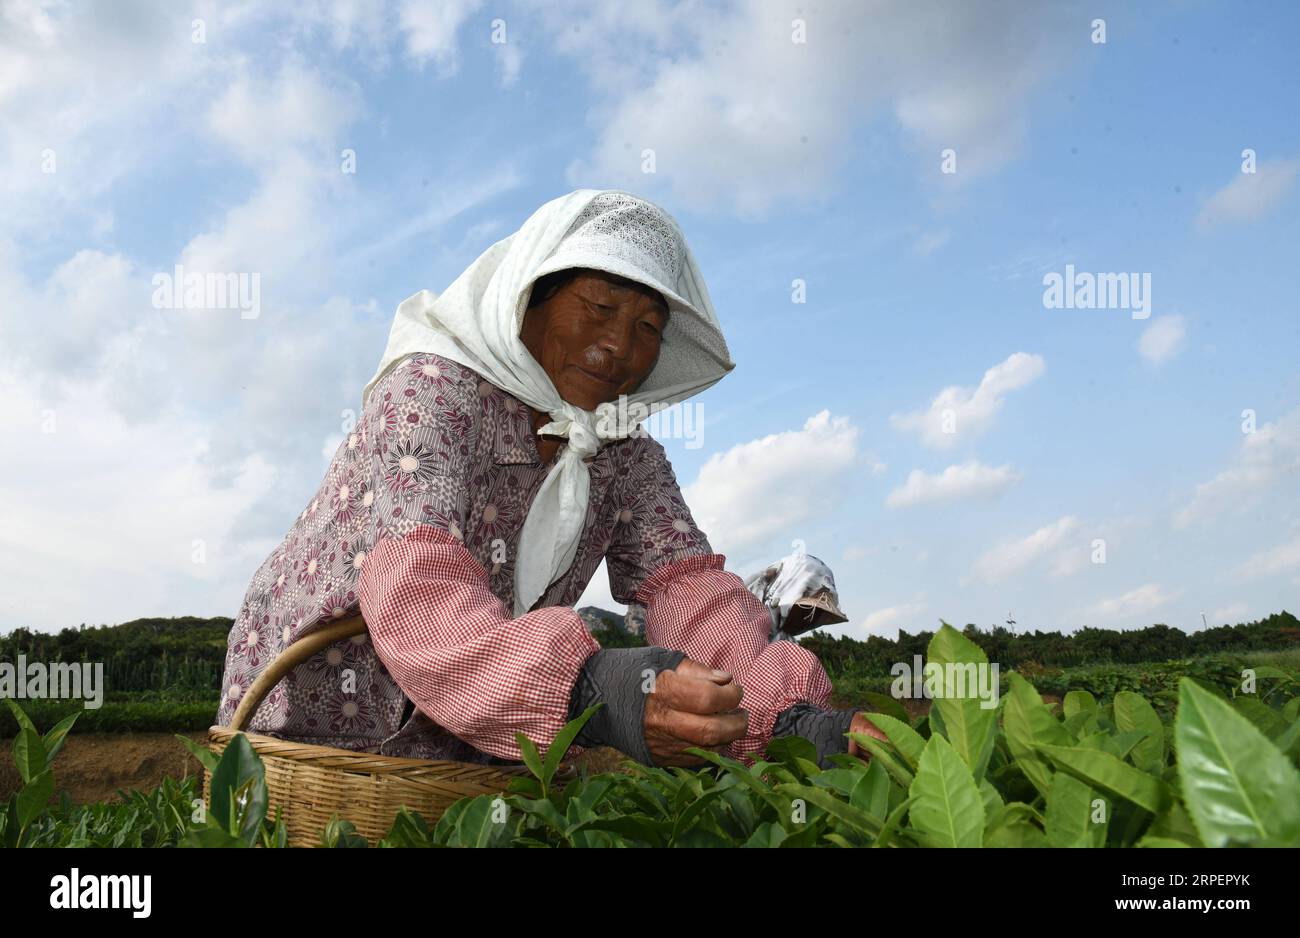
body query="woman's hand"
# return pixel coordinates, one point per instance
(861, 724)
(692, 706)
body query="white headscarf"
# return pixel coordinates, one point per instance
(799, 579)
(478, 319)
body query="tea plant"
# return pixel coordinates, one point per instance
(1016, 775)
(171, 815)
(1021, 773)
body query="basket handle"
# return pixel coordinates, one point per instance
(290, 658)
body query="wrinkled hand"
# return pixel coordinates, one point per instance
(861, 724)
(692, 705)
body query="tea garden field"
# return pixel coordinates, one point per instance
(1184, 753)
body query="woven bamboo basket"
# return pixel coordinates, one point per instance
(312, 783)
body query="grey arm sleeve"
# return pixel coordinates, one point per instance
(614, 677)
(825, 729)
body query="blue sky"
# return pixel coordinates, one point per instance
(155, 457)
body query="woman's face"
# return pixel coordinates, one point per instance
(597, 337)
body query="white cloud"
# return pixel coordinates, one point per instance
(676, 75)
(259, 120)
(1163, 339)
(968, 480)
(928, 242)
(1231, 614)
(756, 489)
(963, 413)
(1250, 196)
(1282, 558)
(122, 510)
(430, 27)
(893, 617)
(1122, 610)
(1267, 457)
(1010, 557)
(100, 88)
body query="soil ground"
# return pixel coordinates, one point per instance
(93, 766)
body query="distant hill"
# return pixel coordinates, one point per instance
(597, 619)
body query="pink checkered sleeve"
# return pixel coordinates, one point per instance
(453, 648)
(694, 605)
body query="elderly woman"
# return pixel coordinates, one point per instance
(799, 592)
(490, 472)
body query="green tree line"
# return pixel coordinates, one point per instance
(1087, 646)
(183, 653)
(188, 653)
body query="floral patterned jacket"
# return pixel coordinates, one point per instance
(415, 525)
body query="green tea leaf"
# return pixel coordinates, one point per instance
(444, 830)
(34, 797)
(795, 753)
(858, 820)
(29, 754)
(948, 810)
(744, 776)
(1267, 720)
(239, 771)
(871, 794)
(1289, 742)
(893, 822)
(1118, 745)
(1268, 671)
(341, 834)
(1078, 701)
(1112, 775)
(57, 735)
(207, 758)
(563, 740)
(591, 794)
(841, 780)
(633, 826)
(1069, 814)
(531, 758)
(1027, 722)
(766, 834)
(689, 816)
(1238, 786)
(1133, 713)
(545, 810)
(989, 795)
(968, 720)
(208, 837)
(20, 715)
(1175, 824)
(486, 822)
(906, 740)
(881, 754)
(1013, 826)
(886, 704)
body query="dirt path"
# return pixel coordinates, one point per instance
(93, 766)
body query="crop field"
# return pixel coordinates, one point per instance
(1181, 753)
